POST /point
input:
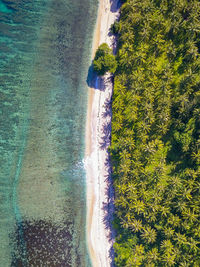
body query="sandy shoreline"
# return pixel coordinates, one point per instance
(98, 128)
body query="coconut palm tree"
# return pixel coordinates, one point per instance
(149, 234)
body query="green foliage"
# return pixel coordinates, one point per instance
(115, 27)
(155, 146)
(104, 60)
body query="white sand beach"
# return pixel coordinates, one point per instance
(97, 141)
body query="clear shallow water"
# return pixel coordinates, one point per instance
(44, 58)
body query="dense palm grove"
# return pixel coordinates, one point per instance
(155, 147)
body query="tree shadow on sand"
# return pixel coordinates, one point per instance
(106, 129)
(93, 80)
(107, 136)
(98, 82)
(108, 205)
(108, 208)
(115, 5)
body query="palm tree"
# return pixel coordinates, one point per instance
(194, 245)
(181, 239)
(149, 234)
(139, 206)
(153, 255)
(168, 231)
(168, 256)
(137, 257)
(136, 225)
(174, 220)
(164, 210)
(184, 264)
(189, 215)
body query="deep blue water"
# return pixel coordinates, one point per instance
(45, 52)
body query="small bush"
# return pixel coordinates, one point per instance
(104, 60)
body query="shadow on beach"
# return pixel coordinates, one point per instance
(101, 83)
(115, 5)
(106, 129)
(109, 208)
(108, 205)
(98, 82)
(93, 80)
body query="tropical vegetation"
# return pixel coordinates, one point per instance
(104, 60)
(155, 145)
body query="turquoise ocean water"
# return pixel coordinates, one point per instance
(45, 52)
